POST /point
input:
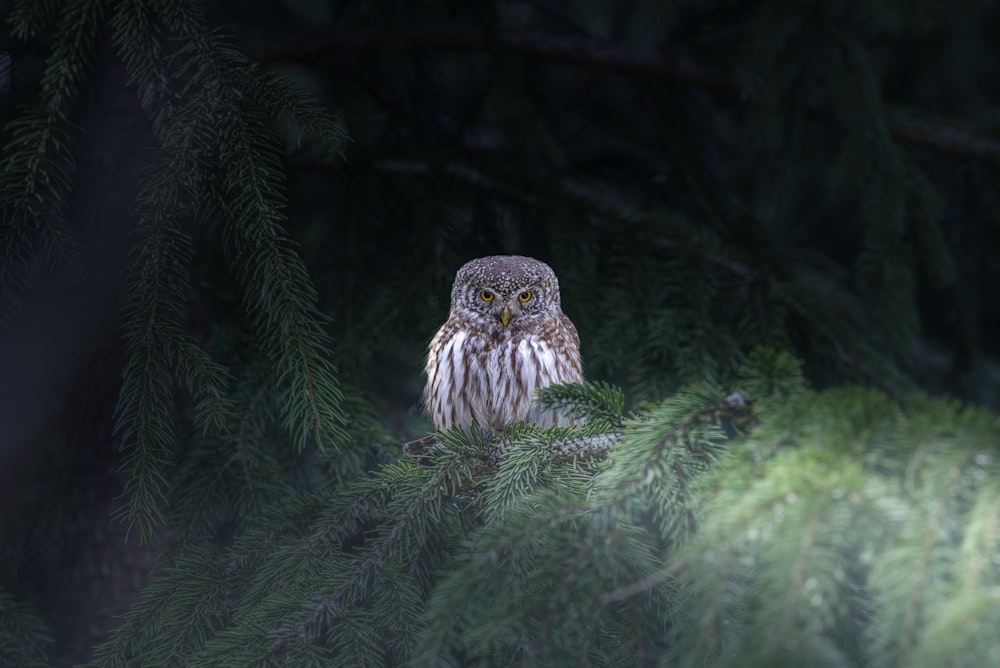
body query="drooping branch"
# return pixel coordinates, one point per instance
(657, 66)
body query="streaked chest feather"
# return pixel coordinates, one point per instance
(493, 384)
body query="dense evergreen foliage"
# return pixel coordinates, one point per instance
(774, 225)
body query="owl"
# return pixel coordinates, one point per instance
(506, 336)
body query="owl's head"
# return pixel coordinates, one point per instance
(509, 290)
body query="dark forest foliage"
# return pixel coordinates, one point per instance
(229, 230)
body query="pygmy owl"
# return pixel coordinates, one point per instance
(506, 336)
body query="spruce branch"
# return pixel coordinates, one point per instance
(413, 565)
(142, 40)
(557, 602)
(554, 513)
(590, 401)
(188, 601)
(277, 262)
(185, 93)
(903, 626)
(227, 474)
(159, 349)
(279, 293)
(38, 162)
(512, 547)
(797, 578)
(282, 303)
(955, 635)
(206, 379)
(25, 641)
(144, 415)
(599, 438)
(824, 330)
(666, 68)
(278, 98)
(30, 17)
(981, 540)
(411, 502)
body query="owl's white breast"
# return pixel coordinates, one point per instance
(447, 389)
(508, 375)
(493, 384)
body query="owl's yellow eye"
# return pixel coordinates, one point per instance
(525, 296)
(486, 295)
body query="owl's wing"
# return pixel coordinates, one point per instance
(554, 359)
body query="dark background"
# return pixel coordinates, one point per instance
(703, 177)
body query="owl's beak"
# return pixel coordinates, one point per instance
(505, 316)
